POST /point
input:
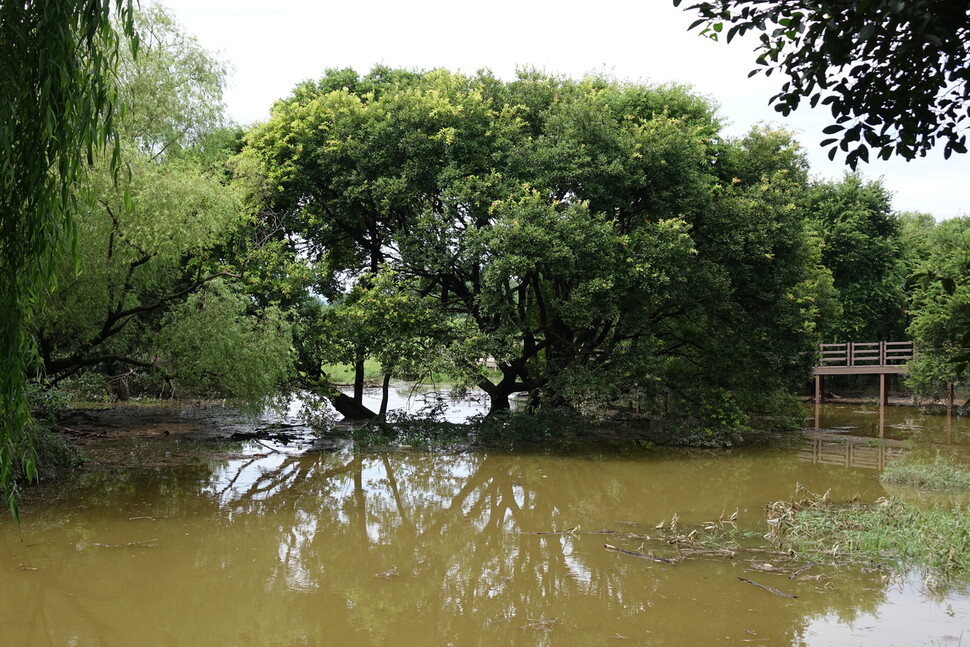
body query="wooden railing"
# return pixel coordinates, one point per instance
(862, 354)
(880, 358)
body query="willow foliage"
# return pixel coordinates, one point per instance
(56, 65)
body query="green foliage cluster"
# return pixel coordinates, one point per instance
(129, 263)
(153, 291)
(56, 62)
(512, 431)
(863, 249)
(893, 74)
(939, 303)
(895, 78)
(423, 430)
(214, 344)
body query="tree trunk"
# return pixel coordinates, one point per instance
(498, 395)
(359, 382)
(384, 394)
(350, 408)
(499, 402)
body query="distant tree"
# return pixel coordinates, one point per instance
(57, 60)
(863, 249)
(940, 308)
(894, 74)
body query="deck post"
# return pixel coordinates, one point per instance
(883, 395)
(949, 426)
(818, 389)
(949, 395)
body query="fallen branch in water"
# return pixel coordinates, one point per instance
(770, 589)
(662, 560)
(263, 434)
(707, 552)
(802, 570)
(149, 543)
(571, 531)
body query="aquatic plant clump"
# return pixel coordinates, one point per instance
(937, 542)
(939, 475)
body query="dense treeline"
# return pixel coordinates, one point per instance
(603, 243)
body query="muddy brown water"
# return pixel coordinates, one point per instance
(177, 536)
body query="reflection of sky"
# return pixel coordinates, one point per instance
(295, 572)
(239, 476)
(418, 400)
(906, 618)
(250, 477)
(577, 568)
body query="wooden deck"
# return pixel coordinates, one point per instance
(867, 358)
(880, 358)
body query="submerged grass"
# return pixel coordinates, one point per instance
(937, 542)
(942, 474)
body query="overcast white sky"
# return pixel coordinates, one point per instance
(272, 45)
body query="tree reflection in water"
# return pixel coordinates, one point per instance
(435, 541)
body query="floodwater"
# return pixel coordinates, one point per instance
(178, 536)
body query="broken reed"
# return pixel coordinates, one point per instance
(937, 542)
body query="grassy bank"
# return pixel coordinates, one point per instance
(343, 374)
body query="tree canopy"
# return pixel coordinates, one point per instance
(893, 74)
(594, 238)
(940, 308)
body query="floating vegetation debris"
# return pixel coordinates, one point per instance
(650, 556)
(936, 542)
(386, 575)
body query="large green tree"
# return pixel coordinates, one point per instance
(57, 60)
(594, 238)
(893, 74)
